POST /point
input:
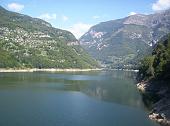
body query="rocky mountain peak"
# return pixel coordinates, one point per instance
(137, 19)
(122, 41)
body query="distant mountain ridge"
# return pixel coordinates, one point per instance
(120, 42)
(32, 42)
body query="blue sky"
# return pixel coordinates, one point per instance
(78, 16)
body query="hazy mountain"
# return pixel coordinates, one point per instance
(32, 42)
(122, 41)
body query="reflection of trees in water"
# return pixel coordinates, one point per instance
(97, 92)
(111, 86)
(120, 92)
(74, 85)
(114, 86)
(149, 100)
(123, 74)
(42, 80)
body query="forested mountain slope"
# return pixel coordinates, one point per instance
(32, 42)
(123, 41)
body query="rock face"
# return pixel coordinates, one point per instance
(123, 40)
(142, 86)
(160, 109)
(32, 42)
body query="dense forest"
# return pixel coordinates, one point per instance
(157, 65)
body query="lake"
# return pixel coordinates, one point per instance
(103, 98)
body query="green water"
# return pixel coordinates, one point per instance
(105, 98)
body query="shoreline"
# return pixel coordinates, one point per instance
(47, 70)
(131, 70)
(160, 112)
(11, 70)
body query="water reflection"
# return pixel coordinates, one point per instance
(105, 98)
(116, 87)
(110, 86)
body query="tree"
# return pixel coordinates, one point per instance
(146, 69)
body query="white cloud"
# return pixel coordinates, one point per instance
(79, 29)
(15, 7)
(64, 18)
(132, 13)
(96, 17)
(161, 5)
(48, 17)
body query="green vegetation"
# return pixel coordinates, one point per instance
(27, 42)
(7, 60)
(119, 45)
(124, 42)
(157, 66)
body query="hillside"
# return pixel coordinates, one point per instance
(121, 42)
(157, 66)
(154, 77)
(32, 42)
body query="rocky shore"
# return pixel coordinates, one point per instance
(48, 70)
(161, 108)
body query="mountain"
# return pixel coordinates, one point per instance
(32, 42)
(121, 42)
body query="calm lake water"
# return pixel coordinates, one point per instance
(105, 98)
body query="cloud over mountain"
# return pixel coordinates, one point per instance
(15, 7)
(161, 5)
